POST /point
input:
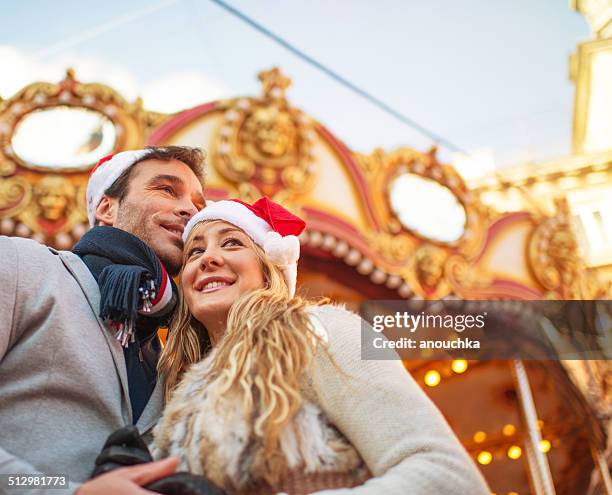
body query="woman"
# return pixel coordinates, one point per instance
(267, 392)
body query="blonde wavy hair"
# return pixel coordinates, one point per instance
(268, 344)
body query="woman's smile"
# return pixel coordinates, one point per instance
(211, 284)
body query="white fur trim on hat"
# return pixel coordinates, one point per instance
(105, 176)
(234, 213)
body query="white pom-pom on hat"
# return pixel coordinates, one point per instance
(284, 252)
(281, 250)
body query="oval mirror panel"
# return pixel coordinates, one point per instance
(63, 137)
(427, 208)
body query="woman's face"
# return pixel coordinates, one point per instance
(220, 266)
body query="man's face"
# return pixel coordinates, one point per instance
(162, 197)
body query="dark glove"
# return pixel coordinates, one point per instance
(124, 447)
(184, 484)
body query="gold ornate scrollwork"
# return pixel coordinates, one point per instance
(266, 142)
(380, 170)
(15, 194)
(7, 168)
(394, 248)
(247, 192)
(434, 272)
(464, 276)
(432, 268)
(554, 257)
(130, 122)
(37, 202)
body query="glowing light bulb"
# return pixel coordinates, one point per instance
(544, 446)
(432, 378)
(485, 458)
(459, 365)
(514, 452)
(509, 430)
(480, 436)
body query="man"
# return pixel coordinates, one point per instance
(78, 331)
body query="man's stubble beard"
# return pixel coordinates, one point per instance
(137, 222)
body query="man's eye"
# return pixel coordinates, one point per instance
(167, 189)
(232, 242)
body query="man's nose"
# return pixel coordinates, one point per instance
(187, 209)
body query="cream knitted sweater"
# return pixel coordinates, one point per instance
(397, 431)
(401, 435)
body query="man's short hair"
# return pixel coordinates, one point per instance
(192, 157)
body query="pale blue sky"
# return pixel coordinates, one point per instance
(481, 73)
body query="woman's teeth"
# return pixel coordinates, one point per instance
(212, 285)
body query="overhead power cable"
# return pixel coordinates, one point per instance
(96, 31)
(337, 77)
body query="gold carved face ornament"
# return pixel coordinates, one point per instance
(264, 145)
(430, 266)
(563, 250)
(54, 196)
(271, 130)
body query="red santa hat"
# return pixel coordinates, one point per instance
(272, 227)
(104, 175)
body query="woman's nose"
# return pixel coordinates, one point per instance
(211, 258)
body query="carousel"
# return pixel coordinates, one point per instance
(386, 225)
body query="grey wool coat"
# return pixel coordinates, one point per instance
(63, 382)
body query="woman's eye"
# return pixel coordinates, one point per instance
(195, 251)
(231, 242)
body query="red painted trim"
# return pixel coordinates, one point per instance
(503, 288)
(215, 194)
(329, 224)
(347, 159)
(181, 119)
(328, 218)
(51, 227)
(499, 225)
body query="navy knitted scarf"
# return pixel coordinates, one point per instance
(132, 279)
